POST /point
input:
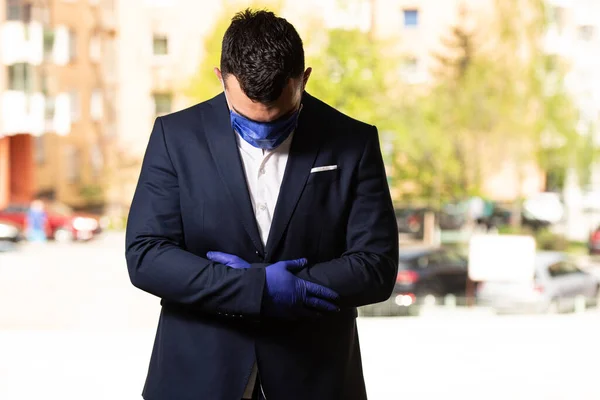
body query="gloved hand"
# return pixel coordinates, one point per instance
(228, 259)
(287, 296)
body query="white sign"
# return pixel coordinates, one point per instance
(502, 258)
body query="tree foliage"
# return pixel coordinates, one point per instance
(496, 97)
(351, 74)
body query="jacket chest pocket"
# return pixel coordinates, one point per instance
(324, 197)
(323, 177)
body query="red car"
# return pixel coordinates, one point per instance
(63, 224)
(594, 242)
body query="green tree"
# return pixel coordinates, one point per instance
(495, 97)
(351, 73)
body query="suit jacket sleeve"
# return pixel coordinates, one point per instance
(366, 272)
(156, 258)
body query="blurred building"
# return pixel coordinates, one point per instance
(83, 82)
(57, 91)
(159, 47)
(573, 38)
(71, 169)
(29, 108)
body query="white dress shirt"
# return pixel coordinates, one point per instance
(264, 171)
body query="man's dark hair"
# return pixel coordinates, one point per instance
(263, 52)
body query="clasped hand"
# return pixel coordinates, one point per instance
(286, 295)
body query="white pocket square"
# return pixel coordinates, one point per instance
(325, 168)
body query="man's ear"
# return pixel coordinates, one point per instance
(306, 76)
(219, 75)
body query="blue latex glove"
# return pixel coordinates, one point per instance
(228, 259)
(288, 296)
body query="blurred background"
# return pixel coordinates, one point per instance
(488, 113)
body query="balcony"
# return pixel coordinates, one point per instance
(32, 113)
(61, 120)
(22, 43)
(162, 76)
(22, 113)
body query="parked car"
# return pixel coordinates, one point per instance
(502, 213)
(423, 272)
(594, 242)
(411, 220)
(557, 282)
(451, 220)
(63, 224)
(10, 235)
(431, 271)
(9, 232)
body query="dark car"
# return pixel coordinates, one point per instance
(431, 271)
(412, 220)
(423, 272)
(502, 216)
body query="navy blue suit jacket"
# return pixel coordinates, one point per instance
(192, 198)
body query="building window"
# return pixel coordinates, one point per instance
(73, 164)
(412, 71)
(95, 48)
(160, 45)
(20, 77)
(162, 103)
(96, 160)
(558, 17)
(96, 105)
(14, 10)
(72, 45)
(48, 44)
(75, 103)
(410, 66)
(40, 151)
(586, 33)
(49, 109)
(411, 18)
(47, 82)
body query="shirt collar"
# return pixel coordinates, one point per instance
(248, 148)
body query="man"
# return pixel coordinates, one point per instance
(262, 219)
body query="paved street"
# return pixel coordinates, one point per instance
(72, 327)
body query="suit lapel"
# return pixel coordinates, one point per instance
(303, 152)
(224, 150)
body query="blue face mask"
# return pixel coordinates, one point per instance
(264, 135)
